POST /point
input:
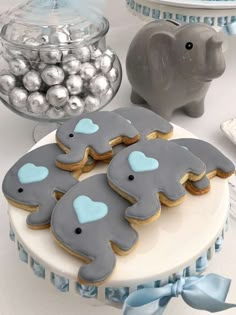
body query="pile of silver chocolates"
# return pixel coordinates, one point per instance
(43, 80)
(55, 61)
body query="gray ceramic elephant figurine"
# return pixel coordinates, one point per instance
(171, 66)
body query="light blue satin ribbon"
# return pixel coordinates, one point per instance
(230, 29)
(206, 293)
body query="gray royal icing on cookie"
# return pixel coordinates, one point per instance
(86, 220)
(145, 121)
(32, 181)
(94, 130)
(211, 156)
(164, 165)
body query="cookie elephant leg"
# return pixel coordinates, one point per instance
(136, 98)
(102, 148)
(199, 187)
(124, 238)
(100, 268)
(196, 167)
(41, 218)
(194, 109)
(72, 157)
(173, 194)
(147, 208)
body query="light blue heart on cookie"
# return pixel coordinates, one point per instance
(139, 162)
(30, 173)
(88, 210)
(86, 126)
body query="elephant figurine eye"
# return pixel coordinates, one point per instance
(20, 190)
(131, 177)
(189, 46)
(71, 135)
(78, 230)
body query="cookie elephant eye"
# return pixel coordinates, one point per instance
(20, 190)
(189, 46)
(71, 135)
(131, 177)
(78, 230)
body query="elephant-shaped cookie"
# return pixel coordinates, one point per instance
(35, 184)
(170, 66)
(217, 164)
(93, 134)
(89, 222)
(152, 171)
(149, 125)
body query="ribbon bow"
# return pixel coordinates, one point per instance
(206, 293)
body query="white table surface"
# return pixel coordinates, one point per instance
(21, 293)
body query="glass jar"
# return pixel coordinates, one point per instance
(54, 61)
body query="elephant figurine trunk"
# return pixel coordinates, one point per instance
(171, 66)
(215, 59)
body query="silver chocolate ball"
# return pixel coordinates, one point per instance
(87, 71)
(55, 113)
(113, 75)
(57, 96)
(32, 81)
(52, 56)
(19, 66)
(58, 37)
(104, 63)
(92, 103)
(108, 96)
(7, 83)
(53, 75)
(110, 53)
(74, 84)
(31, 53)
(70, 64)
(83, 53)
(99, 85)
(96, 53)
(75, 106)
(37, 103)
(18, 97)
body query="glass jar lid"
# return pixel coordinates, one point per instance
(54, 23)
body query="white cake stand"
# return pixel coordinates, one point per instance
(217, 13)
(182, 242)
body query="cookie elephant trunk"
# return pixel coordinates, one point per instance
(214, 57)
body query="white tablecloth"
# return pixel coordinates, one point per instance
(21, 293)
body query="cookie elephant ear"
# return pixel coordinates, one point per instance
(160, 54)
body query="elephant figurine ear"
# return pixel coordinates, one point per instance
(160, 55)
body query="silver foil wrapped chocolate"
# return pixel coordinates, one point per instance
(37, 103)
(57, 96)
